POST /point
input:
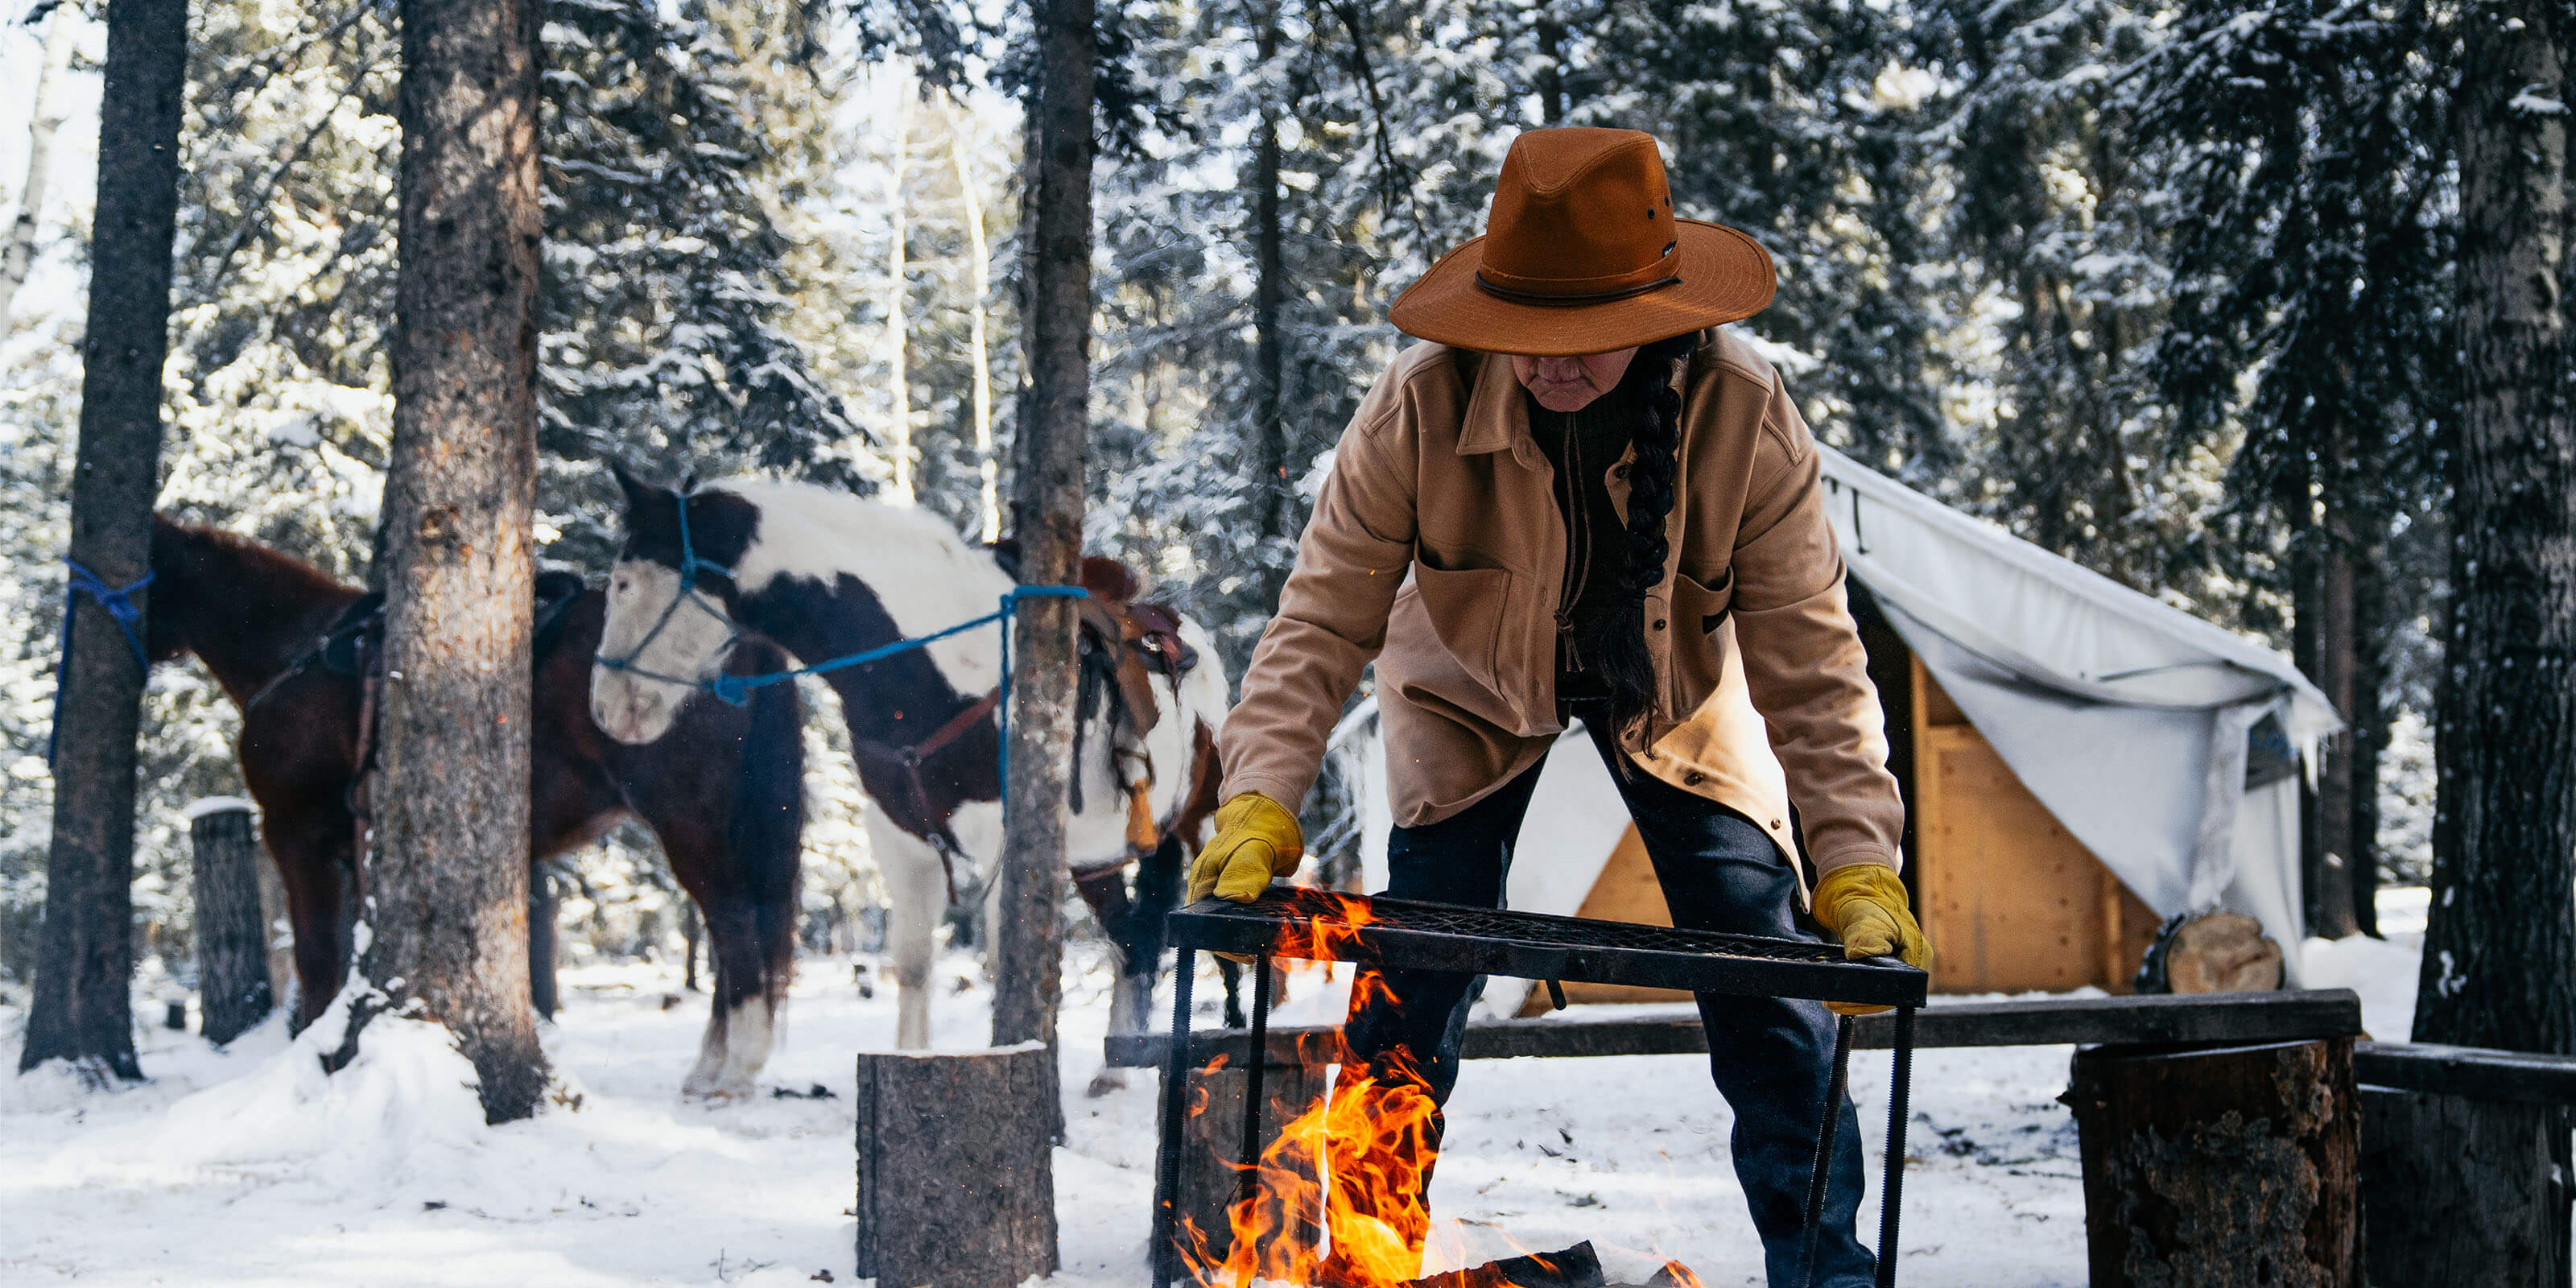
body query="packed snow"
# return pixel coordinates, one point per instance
(249, 1166)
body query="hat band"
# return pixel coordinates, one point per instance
(1563, 301)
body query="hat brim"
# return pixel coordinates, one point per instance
(1726, 276)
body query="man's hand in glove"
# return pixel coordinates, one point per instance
(1256, 839)
(1864, 905)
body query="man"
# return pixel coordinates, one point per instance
(1583, 500)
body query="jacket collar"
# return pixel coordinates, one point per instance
(1497, 416)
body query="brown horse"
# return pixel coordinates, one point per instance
(723, 791)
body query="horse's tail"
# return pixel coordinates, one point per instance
(766, 833)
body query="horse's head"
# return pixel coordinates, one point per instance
(670, 618)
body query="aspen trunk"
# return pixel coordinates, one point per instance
(43, 123)
(233, 993)
(2500, 953)
(1275, 510)
(898, 301)
(981, 265)
(450, 873)
(80, 1011)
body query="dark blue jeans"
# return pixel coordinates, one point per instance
(1772, 1058)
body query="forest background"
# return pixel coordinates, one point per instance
(2164, 288)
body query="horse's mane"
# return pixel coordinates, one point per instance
(858, 533)
(277, 571)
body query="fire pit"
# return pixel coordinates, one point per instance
(1316, 925)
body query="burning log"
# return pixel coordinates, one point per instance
(1575, 1267)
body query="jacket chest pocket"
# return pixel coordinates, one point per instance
(1466, 609)
(1699, 610)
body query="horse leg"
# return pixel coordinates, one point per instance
(741, 1011)
(311, 857)
(916, 893)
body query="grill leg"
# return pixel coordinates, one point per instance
(1891, 1189)
(1248, 1185)
(1166, 1252)
(1826, 1130)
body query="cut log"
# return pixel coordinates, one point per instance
(2219, 1166)
(2225, 1167)
(233, 992)
(2223, 952)
(1212, 1155)
(2456, 1191)
(1575, 1267)
(956, 1173)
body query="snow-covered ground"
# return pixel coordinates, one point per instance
(248, 1167)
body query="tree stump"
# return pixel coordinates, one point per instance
(2458, 1191)
(1212, 1151)
(956, 1169)
(2220, 1167)
(233, 992)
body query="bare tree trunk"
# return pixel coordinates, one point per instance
(233, 993)
(450, 877)
(898, 303)
(2369, 720)
(81, 1011)
(1274, 495)
(43, 122)
(1046, 514)
(543, 904)
(2330, 889)
(2500, 954)
(960, 126)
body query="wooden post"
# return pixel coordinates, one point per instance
(955, 1187)
(544, 903)
(2220, 1167)
(233, 992)
(2458, 1191)
(276, 931)
(1213, 1150)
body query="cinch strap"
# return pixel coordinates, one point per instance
(123, 610)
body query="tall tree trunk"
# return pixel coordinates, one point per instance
(2330, 891)
(2500, 954)
(2369, 720)
(961, 126)
(1276, 515)
(1551, 74)
(80, 1011)
(898, 301)
(1046, 515)
(450, 875)
(43, 122)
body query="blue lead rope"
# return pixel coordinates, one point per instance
(122, 609)
(735, 690)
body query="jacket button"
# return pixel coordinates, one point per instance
(1659, 623)
(1618, 471)
(1775, 825)
(1694, 778)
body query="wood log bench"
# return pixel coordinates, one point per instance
(2220, 1132)
(2465, 1166)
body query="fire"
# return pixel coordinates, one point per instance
(1360, 1158)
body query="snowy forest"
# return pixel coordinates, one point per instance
(2171, 290)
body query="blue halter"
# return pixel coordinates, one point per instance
(690, 566)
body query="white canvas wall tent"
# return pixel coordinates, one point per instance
(2166, 746)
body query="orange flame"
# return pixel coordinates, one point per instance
(1360, 1159)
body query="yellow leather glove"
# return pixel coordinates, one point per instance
(1256, 839)
(1864, 905)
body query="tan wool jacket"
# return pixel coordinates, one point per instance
(1436, 551)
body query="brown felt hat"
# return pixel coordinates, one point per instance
(1582, 254)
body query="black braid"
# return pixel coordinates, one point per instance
(1616, 646)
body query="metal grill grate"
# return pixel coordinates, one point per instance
(1318, 925)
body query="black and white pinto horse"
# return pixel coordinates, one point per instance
(824, 574)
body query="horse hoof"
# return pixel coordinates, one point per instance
(1104, 1082)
